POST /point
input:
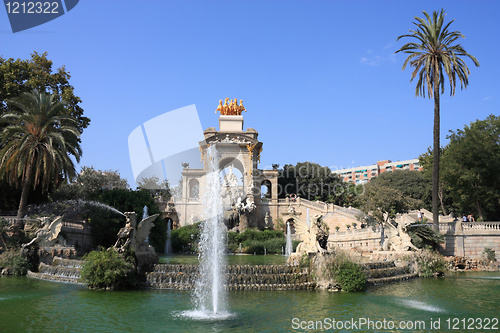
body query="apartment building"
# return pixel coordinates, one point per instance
(363, 174)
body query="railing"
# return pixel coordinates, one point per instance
(448, 227)
(13, 219)
(315, 204)
(480, 226)
(355, 233)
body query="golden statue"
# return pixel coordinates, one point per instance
(230, 107)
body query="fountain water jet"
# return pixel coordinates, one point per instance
(209, 295)
(288, 248)
(168, 242)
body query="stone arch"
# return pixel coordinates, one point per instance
(194, 189)
(266, 189)
(225, 162)
(292, 226)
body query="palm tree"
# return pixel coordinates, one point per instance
(433, 55)
(37, 141)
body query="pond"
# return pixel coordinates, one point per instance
(29, 305)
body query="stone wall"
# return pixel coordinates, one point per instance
(461, 239)
(469, 239)
(366, 239)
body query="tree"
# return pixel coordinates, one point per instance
(433, 55)
(310, 181)
(411, 184)
(155, 187)
(89, 184)
(37, 144)
(383, 203)
(19, 76)
(444, 190)
(469, 168)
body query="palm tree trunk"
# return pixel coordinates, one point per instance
(435, 155)
(24, 194)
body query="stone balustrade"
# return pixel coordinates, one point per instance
(480, 226)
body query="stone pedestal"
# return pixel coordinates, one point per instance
(231, 123)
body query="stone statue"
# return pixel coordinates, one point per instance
(397, 238)
(313, 234)
(267, 220)
(49, 234)
(132, 236)
(250, 206)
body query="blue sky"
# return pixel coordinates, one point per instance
(319, 79)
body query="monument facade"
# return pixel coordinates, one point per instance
(239, 156)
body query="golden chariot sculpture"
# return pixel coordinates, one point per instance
(230, 107)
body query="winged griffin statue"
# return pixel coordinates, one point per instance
(132, 236)
(313, 234)
(49, 235)
(397, 238)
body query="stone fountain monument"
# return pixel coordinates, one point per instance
(133, 237)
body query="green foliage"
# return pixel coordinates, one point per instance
(14, 262)
(185, 238)
(429, 263)
(310, 181)
(36, 144)
(490, 254)
(468, 168)
(423, 236)
(155, 187)
(18, 76)
(90, 184)
(379, 200)
(280, 224)
(9, 196)
(435, 54)
(108, 269)
(109, 188)
(350, 276)
(305, 261)
(254, 241)
(411, 184)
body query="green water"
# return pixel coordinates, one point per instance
(29, 305)
(231, 259)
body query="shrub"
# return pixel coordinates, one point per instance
(185, 238)
(254, 246)
(14, 262)
(108, 269)
(305, 261)
(490, 254)
(350, 277)
(429, 263)
(424, 237)
(274, 245)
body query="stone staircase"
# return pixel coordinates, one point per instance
(386, 272)
(243, 277)
(239, 277)
(61, 270)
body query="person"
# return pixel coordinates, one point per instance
(419, 216)
(464, 218)
(472, 218)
